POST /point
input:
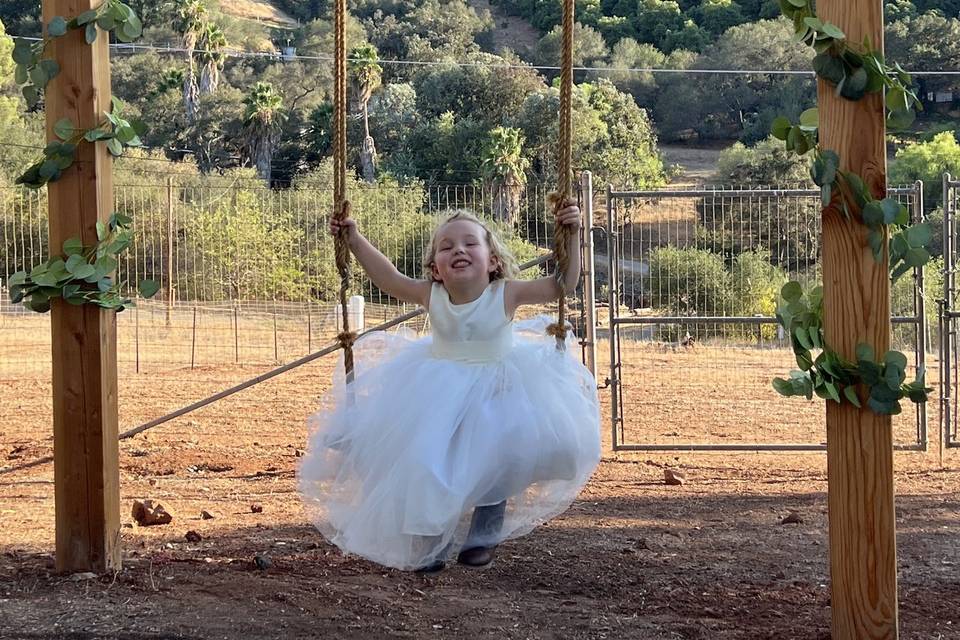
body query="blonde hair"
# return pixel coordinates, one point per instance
(506, 262)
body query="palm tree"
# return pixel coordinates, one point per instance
(212, 43)
(190, 23)
(261, 126)
(504, 170)
(365, 77)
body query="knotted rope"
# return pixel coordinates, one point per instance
(557, 199)
(341, 207)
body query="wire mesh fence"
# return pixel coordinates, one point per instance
(246, 273)
(695, 285)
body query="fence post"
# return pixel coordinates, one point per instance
(589, 281)
(236, 335)
(193, 340)
(136, 335)
(309, 327)
(170, 257)
(276, 345)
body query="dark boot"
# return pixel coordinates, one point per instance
(485, 526)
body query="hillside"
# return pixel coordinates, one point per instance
(260, 11)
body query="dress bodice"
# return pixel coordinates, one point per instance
(476, 331)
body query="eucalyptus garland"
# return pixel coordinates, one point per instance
(81, 274)
(856, 71)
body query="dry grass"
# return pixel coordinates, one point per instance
(258, 10)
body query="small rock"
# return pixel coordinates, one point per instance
(149, 513)
(672, 477)
(256, 508)
(298, 453)
(792, 518)
(262, 562)
(193, 536)
(206, 515)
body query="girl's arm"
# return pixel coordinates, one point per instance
(379, 268)
(543, 290)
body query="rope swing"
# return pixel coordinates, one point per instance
(341, 206)
(561, 233)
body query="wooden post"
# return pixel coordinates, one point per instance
(87, 492)
(863, 562)
(170, 256)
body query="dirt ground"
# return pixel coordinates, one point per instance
(633, 557)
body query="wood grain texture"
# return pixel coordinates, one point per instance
(86, 452)
(863, 564)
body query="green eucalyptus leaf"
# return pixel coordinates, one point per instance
(828, 67)
(920, 235)
(74, 262)
(875, 240)
(833, 392)
(38, 76)
(816, 297)
(21, 75)
(890, 408)
(148, 288)
(84, 271)
(51, 68)
(22, 52)
(810, 119)
(873, 215)
(57, 27)
(783, 387)
(72, 246)
(896, 359)
(917, 257)
(780, 128)
(869, 372)
(899, 271)
(803, 338)
(791, 292)
(90, 33)
(31, 95)
(900, 119)
(64, 128)
(49, 169)
(114, 146)
(850, 393)
(86, 17)
(891, 210)
(833, 31)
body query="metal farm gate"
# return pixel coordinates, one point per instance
(949, 314)
(693, 278)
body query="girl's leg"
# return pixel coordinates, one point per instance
(485, 526)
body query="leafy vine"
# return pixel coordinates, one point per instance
(82, 274)
(855, 71)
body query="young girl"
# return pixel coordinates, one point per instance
(447, 445)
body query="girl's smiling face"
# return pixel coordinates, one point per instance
(462, 253)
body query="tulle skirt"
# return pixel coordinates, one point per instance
(398, 460)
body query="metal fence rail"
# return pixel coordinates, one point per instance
(950, 315)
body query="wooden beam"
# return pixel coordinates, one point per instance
(863, 562)
(84, 338)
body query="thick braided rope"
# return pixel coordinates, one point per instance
(561, 233)
(341, 208)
